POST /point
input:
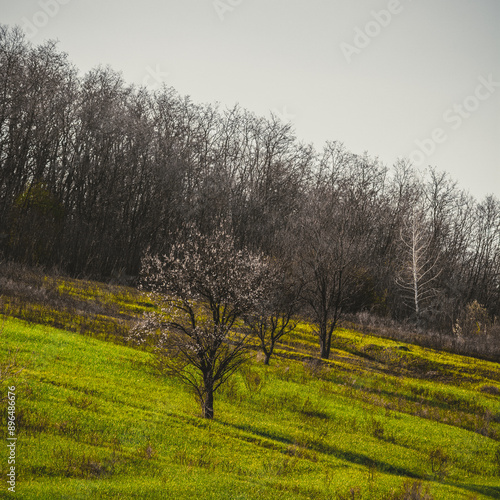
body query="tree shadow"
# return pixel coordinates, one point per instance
(328, 449)
(282, 442)
(489, 491)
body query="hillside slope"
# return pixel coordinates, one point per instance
(95, 420)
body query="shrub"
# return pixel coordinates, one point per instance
(474, 320)
(377, 428)
(411, 490)
(353, 494)
(252, 379)
(147, 451)
(301, 449)
(438, 459)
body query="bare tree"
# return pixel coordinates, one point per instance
(418, 270)
(332, 238)
(202, 287)
(94, 171)
(273, 316)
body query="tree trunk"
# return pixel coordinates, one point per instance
(325, 351)
(323, 343)
(268, 353)
(325, 340)
(207, 405)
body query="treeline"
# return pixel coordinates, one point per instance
(94, 173)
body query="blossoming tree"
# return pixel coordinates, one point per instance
(201, 288)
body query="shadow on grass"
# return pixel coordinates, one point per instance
(489, 491)
(319, 447)
(282, 442)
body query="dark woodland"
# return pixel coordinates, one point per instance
(95, 174)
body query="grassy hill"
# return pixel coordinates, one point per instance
(96, 420)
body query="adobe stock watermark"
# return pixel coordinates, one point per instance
(363, 36)
(223, 7)
(283, 115)
(48, 10)
(454, 117)
(154, 78)
(11, 439)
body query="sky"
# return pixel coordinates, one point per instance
(416, 79)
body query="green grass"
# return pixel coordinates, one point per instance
(96, 421)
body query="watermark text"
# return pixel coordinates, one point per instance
(363, 36)
(48, 10)
(454, 116)
(11, 439)
(223, 7)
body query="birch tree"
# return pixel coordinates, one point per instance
(418, 270)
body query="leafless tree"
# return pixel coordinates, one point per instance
(273, 317)
(333, 237)
(418, 271)
(94, 171)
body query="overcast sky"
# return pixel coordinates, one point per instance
(395, 78)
